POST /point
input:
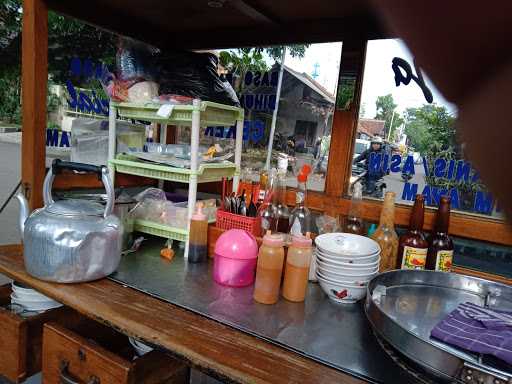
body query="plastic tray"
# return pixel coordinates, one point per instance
(207, 172)
(211, 113)
(160, 230)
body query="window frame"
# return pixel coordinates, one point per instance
(335, 200)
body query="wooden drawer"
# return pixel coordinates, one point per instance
(91, 353)
(21, 338)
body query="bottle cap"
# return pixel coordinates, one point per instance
(302, 178)
(306, 170)
(274, 240)
(301, 241)
(199, 215)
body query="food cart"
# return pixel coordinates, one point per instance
(179, 310)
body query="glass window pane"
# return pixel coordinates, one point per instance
(304, 112)
(406, 137)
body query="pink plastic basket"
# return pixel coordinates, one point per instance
(227, 220)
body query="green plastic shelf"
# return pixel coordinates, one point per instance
(160, 230)
(207, 172)
(212, 114)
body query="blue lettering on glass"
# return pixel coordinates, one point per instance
(427, 194)
(451, 168)
(209, 131)
(425, 166)
(408, 166)
(82, 101)
(385, 163)
(410, 191)
(454, 196)
(232, 132)
(64, 141)
(219, 132)
(396, 161)
(258, 131)
(257, 77)
(463, 170)
(248, 78)
(439, 167)
(52, 138)
(374, 165)
(253, 131)
(483, 202)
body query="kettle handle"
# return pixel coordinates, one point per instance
(102, 172)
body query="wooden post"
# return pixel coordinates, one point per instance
(34, 60)
(344, 126)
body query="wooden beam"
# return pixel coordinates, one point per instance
(34, 60)
(471, 226)
(344, 127)
(251, 10)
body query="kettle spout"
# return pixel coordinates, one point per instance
(24, 211)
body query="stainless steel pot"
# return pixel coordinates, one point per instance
(403, 306)
(71, 241)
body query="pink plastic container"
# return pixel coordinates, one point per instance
(236, 254)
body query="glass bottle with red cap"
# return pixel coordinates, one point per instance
(300, 218)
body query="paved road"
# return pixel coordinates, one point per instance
(10, 174)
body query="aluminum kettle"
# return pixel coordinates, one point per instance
(71, 241)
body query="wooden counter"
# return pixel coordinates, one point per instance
(209, 346)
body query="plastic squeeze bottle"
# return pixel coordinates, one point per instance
(297, 268)
(269, 269)
(197, 249)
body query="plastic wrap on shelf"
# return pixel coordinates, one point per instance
(177, 73)
(153, 206)
(89, 140)
(178, 155)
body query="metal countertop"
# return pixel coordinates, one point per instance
(336, 335)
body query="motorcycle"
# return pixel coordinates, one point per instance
(372, 188)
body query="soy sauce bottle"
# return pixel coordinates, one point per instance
(440, 251)
(198, 236)
(412, 246)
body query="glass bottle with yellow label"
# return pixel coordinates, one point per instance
(440, 250)
(412, 246)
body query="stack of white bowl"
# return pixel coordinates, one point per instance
(30, 299)
(345, 264)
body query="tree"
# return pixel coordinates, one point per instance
(385, 110)
(67, 38)
(430, 128)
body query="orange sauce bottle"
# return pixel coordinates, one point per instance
(269, 269)
(296, 271)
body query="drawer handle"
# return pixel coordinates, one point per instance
(66, 378)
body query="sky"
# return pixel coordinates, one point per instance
(378, 76)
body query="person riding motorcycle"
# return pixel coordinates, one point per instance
(372, 176)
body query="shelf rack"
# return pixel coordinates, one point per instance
(199, 114)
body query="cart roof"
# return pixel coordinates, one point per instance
(206, 24)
